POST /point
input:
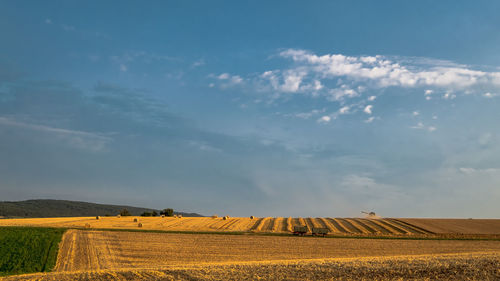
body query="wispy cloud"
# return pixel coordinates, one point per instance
(79, 139)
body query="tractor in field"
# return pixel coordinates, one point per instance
(300, 230)
(317, 231)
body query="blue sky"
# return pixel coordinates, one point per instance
(280, 108)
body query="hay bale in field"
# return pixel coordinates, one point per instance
(119, 216)
(225, 217)
(179, 216)
(87, 225)
(135, 220)
(162, 216)
(97, 217)
(214, 216)
(139, 225)
(252, 217)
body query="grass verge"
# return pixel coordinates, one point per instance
(28, 249)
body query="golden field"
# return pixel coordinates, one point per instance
(336, 226)
(340, 226)
(88, 251)
(119, 255)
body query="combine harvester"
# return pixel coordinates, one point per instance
(370, 214)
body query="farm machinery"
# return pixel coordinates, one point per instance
(370, 214)
(315, 231)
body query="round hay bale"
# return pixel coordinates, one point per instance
(119, 216)
(179, 216)
(225, 217)
(87, 225)
(162, 216)
(139, 225)
(214, 216)
(97, 217)
(135, 220)
(252, 217)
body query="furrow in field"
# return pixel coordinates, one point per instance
(390, 225)
(350, 226)
(360, 223)
(326, 224)
(267, 226)
(258, 224)
(309, 223)
(378, 228)
(230, 223)
(284, 225)
(340, 227)
(317, 222)
(415, 227)
(302, 222)
(407, 227)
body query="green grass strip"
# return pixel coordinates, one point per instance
(28, 249)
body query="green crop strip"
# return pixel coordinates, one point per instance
(28, 249)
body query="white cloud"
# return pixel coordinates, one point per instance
(372, 98)
(386, 72)
(307, 115)
(223, 76)
(198, 63)
(416, 113)
(428, 92)
(370, 119)
(490, 95)
(228, 80)
(449, 96)
(368, 109)
(48, 21)
(324, 119)
(470, 171)
(123, 68)
(344, 110)
(421, 126)
(338, 94)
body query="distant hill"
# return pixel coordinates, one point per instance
(44, 208)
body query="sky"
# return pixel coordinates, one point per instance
(265, 108)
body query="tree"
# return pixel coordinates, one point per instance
(124, 213)
(146, 214)
(154, 214)
(167, 212)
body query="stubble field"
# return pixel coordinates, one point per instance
(206, 248)
(336, 226)
(115, 255)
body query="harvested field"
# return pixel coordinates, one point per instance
(337, 226)
(116, 255)
(462, 226)
(96, 250)
(440, 267)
